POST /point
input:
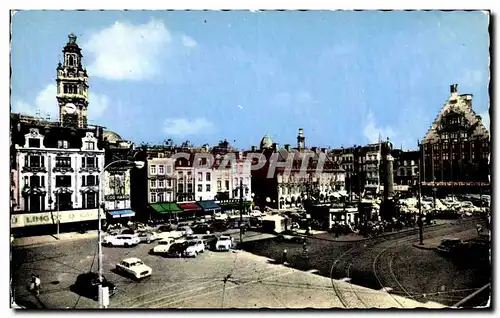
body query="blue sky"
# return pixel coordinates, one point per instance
(345, 77)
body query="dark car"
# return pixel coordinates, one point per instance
(220, 226)
(87, 285)
(167, 228)
(177, 249)
(128, 231)
(291, 236)
(209, 241)
(204, 229)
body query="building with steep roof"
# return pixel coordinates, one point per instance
(455, 151)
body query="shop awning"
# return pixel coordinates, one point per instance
(121, 213)
(170, 207)
(191, 206)
(209, 205)
(234, 204)
(157, 207)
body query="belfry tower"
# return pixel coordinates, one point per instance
(72, 87)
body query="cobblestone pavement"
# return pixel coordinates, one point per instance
(389, 262)
(212, 280)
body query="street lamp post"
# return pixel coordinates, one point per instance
(137, 164)
(420, 221)
(58, 200)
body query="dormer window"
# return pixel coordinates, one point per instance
(62, 144)
(89, 145)
(34, 143)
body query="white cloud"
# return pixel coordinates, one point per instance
(127, 52)
(97, 106)
(183, 126)
(45, 104)
(188, 41)
(485, 118)
(372, 132)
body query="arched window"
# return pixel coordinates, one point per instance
(71, 60)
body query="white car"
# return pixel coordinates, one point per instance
(170, 234)
(147, 237)
(224, 243)
(125, 240)
(163, 246)
(194, 248)
(134, 267)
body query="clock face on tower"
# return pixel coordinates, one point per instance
(69, 108)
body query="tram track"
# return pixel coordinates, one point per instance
(348, 258)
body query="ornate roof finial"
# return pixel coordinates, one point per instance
(72, 38)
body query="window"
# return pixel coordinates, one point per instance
(200, 176)
(161, 197)
(169, 169)
(169, 183)
(190, 188)
(246, 191)
(63, 162)
(63, 181)
(89, 162)
(207, 177)
(446, 156)
(153, 169)
(180, 188)
(405, 163)
(463, 134)
(200, 187)
(454, 156)
(36, 161)
(444, 136)
(208, 187)
(34, 143)
(161, 183)
(89, 145)
(35, 181)
(473, 156)
(445, 146)
(153, 183)
(91, 200)
(161, 169)
(227, 184)
(153, 197)
(454, 135)
(62, 144)
(219, 185)
(180, 174)
(92, 180)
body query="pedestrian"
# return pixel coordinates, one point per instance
(304, 250)
(479, 229)
(35, 284)
(285, 258)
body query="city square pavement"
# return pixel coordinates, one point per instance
(234, 279)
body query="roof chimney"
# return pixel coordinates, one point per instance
(254, 148)
(287, 147)
(454, 90)
(275, 147)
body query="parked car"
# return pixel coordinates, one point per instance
(147, 237)
(224, 243)
(209, 241)
(187, 238)
(87, 285)
(128, 231)
(186, 229)
(166, 228)
(176, 249)
(220, 225)
(449, 245)
(170, 234)
(126, 240)
(291, 236)
(134, 267)
(163, 246)
(204, 229)
(194, 248)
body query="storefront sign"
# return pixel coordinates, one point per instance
(113, 197)
(44, 218)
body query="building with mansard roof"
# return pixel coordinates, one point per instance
(57, 164)
(455, 151)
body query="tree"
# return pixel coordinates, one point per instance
(187, 144)
(169, 142)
